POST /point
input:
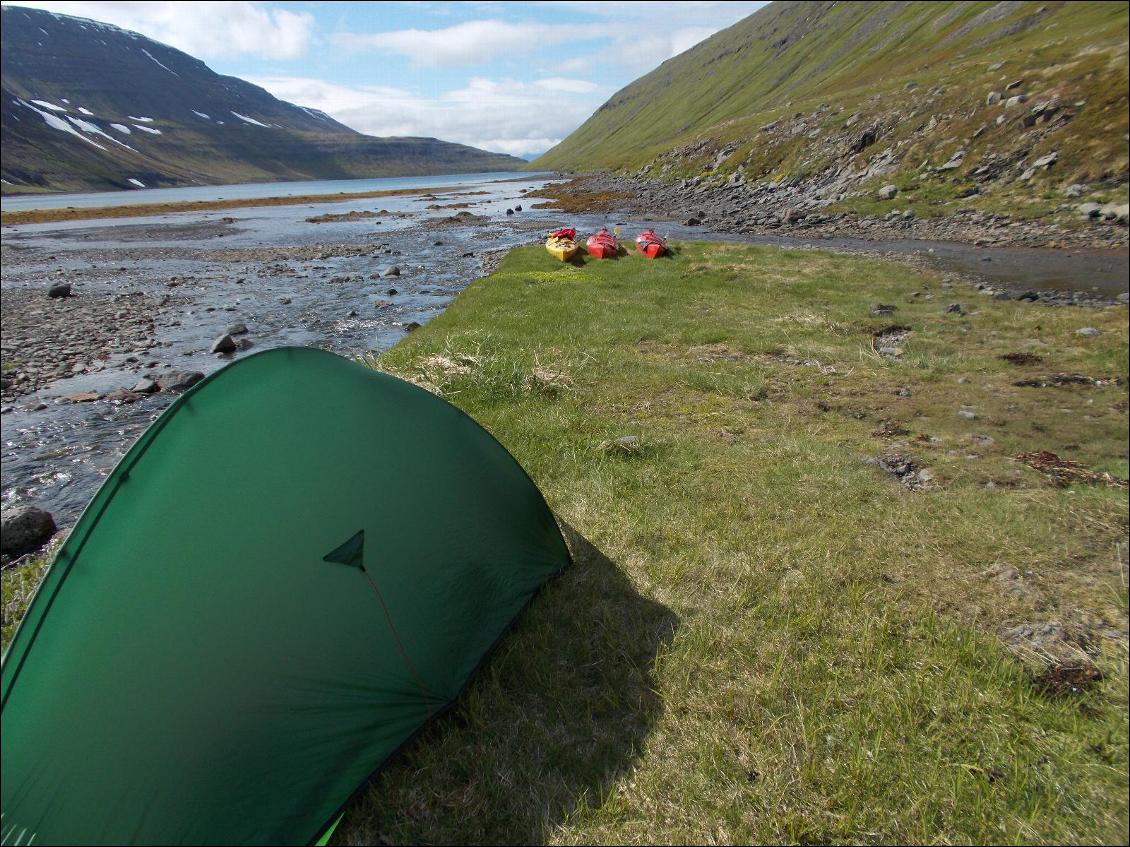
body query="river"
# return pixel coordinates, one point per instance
(296, 282)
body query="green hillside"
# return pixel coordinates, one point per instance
(856, 95)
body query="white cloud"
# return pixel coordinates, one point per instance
(506, 116)
(468, 43)
(205, 30)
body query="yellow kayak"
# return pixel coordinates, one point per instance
(561, 245)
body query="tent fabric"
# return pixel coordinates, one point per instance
(298, 565)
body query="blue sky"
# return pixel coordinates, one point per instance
(515, 77)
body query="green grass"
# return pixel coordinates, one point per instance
(765, 638)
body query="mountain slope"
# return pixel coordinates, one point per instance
(89, 106)
(849, 96)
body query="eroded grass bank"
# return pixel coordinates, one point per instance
(766, 637)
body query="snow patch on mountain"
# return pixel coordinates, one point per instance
(148, 129)
(246, 119)
(158, 61)
(55, 122)
(87, 126)
(47, 105)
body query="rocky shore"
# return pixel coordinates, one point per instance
(736, 206)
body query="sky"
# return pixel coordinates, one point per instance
(511, 77)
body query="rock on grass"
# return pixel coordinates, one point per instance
(24, 529)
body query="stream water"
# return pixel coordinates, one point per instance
(293, 282)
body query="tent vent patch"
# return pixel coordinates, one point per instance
(351, 553)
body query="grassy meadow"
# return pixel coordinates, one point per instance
(765, 636)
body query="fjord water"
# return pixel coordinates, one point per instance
(251, 191)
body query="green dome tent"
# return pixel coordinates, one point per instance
(299, 564)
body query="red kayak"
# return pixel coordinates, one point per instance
(650, 244)
(603, 245)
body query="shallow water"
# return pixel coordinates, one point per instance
(57, 456)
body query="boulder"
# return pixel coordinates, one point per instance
(1074, 190)
(63, 289)
(1088, 332)
(224, 344)
(178, 380)
(238, 329)
(1013, 102)
(888, 192)
(24, 529)
(391, 271)
(145, 386)
(993, 98)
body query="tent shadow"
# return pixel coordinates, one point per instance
(553, 719)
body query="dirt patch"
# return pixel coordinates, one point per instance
(889, 341)
(1022, 358)
(708, 353)
(1066, 680)
(1065, 472)
(912, 475)
(1062, 380)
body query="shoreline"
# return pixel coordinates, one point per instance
(739, 209)
(146, 210)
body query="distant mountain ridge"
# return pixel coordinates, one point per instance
(835, 101)
(88, 106)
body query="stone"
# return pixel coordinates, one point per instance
(1088, 332)
(967, 415)
(123, 396)
(1046, 161)
(391, 271)
(145, 386)
(1013, 102)
(882, 310)
(888, 192)
(24, 529)
(63, 289)
(224, 344)
(83, 397)
(692, 222)
(993, 98)
(178, 380)
(238, 329)
(392, 291)
(792, 215)
(411, 326)
(954, 309)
